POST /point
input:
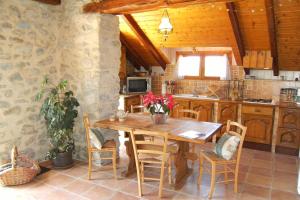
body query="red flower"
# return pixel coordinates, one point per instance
(157, 104)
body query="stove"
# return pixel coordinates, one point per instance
(260, 101)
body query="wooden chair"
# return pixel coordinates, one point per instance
(139, 108)
(215, 160)
(151, 154)
(189, 114)
(109, 146)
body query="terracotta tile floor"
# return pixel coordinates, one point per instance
(262, 176)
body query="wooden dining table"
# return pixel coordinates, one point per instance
(180, 130)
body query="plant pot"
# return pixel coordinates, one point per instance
(159, 118)
(63, 160)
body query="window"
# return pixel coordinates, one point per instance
(203, 65)
(188, 65)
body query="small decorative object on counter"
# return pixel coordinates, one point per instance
(159, 107)
(21, 170)
(171, 86)
(121, 114)
(112, 118)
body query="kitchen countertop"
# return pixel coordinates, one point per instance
(276, 104)
(131, 95)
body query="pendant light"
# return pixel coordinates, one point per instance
(165, 26)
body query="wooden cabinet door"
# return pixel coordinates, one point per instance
(226, 111)
(134, 100)
(205, 109)
(259, 128)
(289, 118)
(179, 105)
(288, 137)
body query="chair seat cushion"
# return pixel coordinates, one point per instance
(96, 138)
(227, 146)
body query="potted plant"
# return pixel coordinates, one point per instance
(59, 112)
(158, 106)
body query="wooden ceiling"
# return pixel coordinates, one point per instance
(263, 25)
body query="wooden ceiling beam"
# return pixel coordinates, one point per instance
(240, 52)
(136, 6)
(52, 2)
(145, 41)
(133, 54)
(272, 34)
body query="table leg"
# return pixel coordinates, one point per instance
(182, 169)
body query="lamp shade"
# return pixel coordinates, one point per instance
(165, 26)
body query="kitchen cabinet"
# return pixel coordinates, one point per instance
(132, 100)
(287, 137)
(288, 128)
(258, 60)
(259, 123)
(179, 105)
(226, 111)
(289, 118)
(205, 108)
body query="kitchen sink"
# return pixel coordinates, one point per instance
(193, 96)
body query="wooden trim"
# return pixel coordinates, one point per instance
(133, 54)
(272, 34)
(136, 6)
(51, 2)
(145, 41)
(240, 53)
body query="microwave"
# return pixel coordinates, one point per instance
(138, 84)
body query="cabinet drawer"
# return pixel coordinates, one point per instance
(288, 137)
(258, 110)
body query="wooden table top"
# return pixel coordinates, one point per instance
(178, 129)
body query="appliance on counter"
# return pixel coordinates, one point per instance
(259, 101)
(288, 94)
(138, 84)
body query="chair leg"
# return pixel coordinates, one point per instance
(161, 182)
(213, 180)
(236, 177)
(90, 165)
(200, 169)
(170, 170)
(138, 171)
(114, 155)
(225, 174)
(193, 151)
(142, 172)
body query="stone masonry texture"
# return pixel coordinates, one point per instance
(62, 42)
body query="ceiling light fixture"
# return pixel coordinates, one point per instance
(165, 26)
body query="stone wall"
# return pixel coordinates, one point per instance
(38, 39)
(28, 51)
(91, 53)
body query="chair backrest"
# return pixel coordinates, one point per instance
(153, 148)
(236, 129)
(188, 114)
(87, 126)
(139, 108)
